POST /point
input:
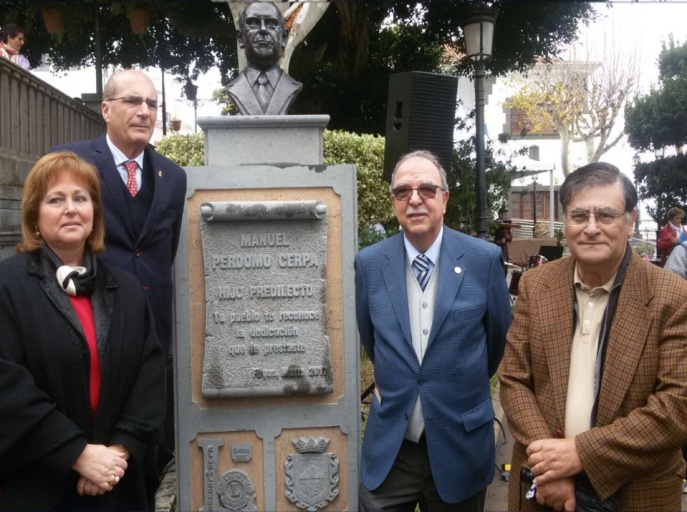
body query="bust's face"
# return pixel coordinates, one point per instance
(262, 35)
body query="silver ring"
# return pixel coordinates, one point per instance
(116, 479)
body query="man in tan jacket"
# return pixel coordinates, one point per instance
(594, 376)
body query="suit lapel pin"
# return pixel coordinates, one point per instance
(159, 173)
(457, 270)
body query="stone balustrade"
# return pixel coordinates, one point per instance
(33, 117)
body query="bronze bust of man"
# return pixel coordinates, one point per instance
(263, 88)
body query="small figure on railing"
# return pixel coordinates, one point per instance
(11, 41)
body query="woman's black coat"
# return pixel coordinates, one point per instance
(45, 414)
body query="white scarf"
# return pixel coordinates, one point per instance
(65, 277)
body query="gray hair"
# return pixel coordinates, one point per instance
(427, 155)
(598, 174)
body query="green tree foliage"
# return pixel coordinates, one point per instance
(367, 153)
(462, 179)
(344, 63)
(349, 55)
(185, 150)
(665, 182)
(658, 120)
(184, 38)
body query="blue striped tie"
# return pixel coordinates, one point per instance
(421, 264)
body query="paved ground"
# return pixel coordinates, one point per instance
(166, 494)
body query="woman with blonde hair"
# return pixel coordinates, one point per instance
(81, 369)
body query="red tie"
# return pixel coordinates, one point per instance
(131, 167)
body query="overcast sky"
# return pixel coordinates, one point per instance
(638, 28)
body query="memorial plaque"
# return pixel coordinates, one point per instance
(265, 282)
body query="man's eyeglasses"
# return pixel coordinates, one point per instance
(579, 217)
(136, 101)
(403, 193)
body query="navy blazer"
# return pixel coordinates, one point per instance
(471, 317)
(150, 256)
(284, 93)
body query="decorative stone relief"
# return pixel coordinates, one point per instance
(234, 491)
(312, 475)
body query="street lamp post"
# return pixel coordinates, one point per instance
(534, 205)
(478, 30)
(191, 92)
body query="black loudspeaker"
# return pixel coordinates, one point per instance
(420, 114)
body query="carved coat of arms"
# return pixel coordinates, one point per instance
(312, 475)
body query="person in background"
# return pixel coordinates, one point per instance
(11, 41)
(82, 394)
(143, 192)
(504, 233)
(593, 379)
(677, 264)
(433, 310)
(672, 234)
(677, 261)
(143, 202)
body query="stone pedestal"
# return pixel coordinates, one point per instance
(273, 140)
(267, 357)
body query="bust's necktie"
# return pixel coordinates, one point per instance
(131, 167)
(421, 267)
(262, 92)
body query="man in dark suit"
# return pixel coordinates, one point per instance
(594, 380)
(143, 195)
(433, 311)
(263, 88)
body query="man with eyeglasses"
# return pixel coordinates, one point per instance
(143, 195)
(433, 310)
(594, 377)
